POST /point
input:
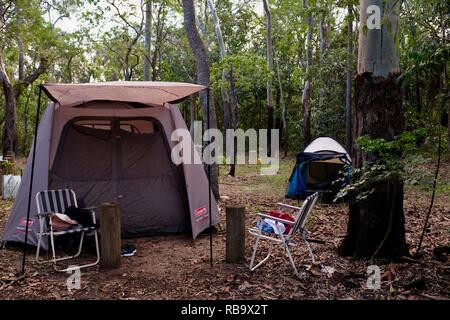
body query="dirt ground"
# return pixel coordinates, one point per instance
(177, 267)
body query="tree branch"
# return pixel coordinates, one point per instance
(135, 65)
(3, 75)
(121, 16)
(43, 65)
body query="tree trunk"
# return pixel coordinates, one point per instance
(148, 39)
(307, 90)
(306, 113)
(349, 81)
(24, 145)
(229, 99)
(9, 130)
(284, 135)
(234, 117)
(203, 76)
(12, 93)
(126, 69)
(376, 222)
(158, 41)
(192, 117)
(323, 48)
(21, 59)
(269, 82)
(446, 84)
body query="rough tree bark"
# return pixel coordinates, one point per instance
(148, 39)
(203, 77)
(308, 88)
(269, 82)
(376, 223)
(159, 28)
(349, 80)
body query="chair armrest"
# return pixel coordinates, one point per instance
(288, 206)
(276, 219)
(92, 209)
(89, 208)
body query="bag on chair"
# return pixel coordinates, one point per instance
(83, 216)
(61, 222)
(284, 216)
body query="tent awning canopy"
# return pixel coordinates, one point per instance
(151, 93)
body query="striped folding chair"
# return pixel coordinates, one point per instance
(300, 215)
(57, 201)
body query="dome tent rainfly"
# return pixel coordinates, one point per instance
(111, 142)
(317, 167)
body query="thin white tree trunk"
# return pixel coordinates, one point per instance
(380, 63)
(307, 90)
(283, 109)
(269, 52)
(270, 67)
(223, 53)
(323, 48)
(148, 39)
(349, 81)
(230, 104)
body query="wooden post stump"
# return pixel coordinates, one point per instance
(235, 248)
(110, 239)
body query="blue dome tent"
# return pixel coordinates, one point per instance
(317, 167)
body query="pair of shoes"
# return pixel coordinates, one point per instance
(128, 250)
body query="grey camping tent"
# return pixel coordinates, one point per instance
(112, 142)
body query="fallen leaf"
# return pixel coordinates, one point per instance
(57, 295)
(387, 276)
(244, 286)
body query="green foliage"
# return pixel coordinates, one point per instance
(96, 46)
(387, 161)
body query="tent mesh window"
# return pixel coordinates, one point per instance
(126, 161)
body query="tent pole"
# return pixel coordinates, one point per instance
(208, 93)
(31, 180)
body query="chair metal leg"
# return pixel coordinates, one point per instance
(269, 253)
(54, 259)
(38, 249)
(252, 261)
(97, 249)
(291, 259)
(52, 243)
(285, 244)
(311, 254)
(80, 246)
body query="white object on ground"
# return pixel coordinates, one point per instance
(328, 270)
(10, 186)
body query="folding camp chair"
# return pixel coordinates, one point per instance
(57, 201)
(300, 215)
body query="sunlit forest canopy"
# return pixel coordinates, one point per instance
(104, 40)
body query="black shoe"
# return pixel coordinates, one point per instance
(128, 250)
